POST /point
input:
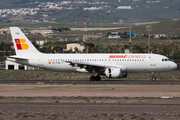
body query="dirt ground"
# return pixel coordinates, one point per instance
(93, 112)
(51, 75)
(68, 90)
(159, 102)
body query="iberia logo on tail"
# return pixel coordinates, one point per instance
(21, 44)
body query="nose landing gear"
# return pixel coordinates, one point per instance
(153, 76)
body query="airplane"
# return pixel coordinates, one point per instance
(111, 65)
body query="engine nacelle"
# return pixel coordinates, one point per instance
(114, 73)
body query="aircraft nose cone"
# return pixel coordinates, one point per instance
(174, 66)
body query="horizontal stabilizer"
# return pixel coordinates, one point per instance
(18, 57)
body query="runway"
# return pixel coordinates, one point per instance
(92, 111)
(88, 104)
(148, 82)
(106, 99)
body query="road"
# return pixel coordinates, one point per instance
(90, 104)
(88, 101)
(90, 29)
(90, 111)
(92, 82)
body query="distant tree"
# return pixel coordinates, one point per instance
(76, 50)
(56, 48)
(176, 56)
(60, 29)
(35, 44)
(43, 50)
(84, 51)
(126, 46)
(166, 50)
(109, 33)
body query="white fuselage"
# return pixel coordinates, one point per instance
(111, 65)
(127, 62)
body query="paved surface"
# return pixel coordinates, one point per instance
(89, 112)
(89, 29)
(93, 82)
(101, 104)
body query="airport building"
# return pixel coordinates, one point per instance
(72, 47)
(9, 65)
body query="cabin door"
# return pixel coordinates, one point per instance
(153, 61)
(40, 61)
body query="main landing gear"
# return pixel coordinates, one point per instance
(95, 78)
(153, 77)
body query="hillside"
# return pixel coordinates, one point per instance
(105, 11)
(168, 27)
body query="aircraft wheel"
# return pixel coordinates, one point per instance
(153, 79)
(98, 78)
(92, 78)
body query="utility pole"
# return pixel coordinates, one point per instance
(4, 49)
(130, 38)
(148, 28)
(85, 37)
(130, 34)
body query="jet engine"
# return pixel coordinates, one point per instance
(115, 73)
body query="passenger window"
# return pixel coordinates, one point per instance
(162, 59)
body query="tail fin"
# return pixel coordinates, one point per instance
(21, 43)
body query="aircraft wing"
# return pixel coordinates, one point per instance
(90, 67)
(90, 64)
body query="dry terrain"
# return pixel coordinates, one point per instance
(87, 102)
(51, 75)
(68, 90)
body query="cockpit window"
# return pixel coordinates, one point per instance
(166, 59)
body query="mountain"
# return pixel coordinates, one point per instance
(94, 11)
